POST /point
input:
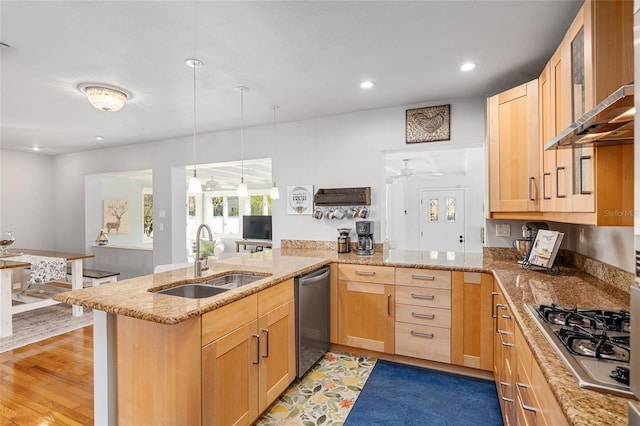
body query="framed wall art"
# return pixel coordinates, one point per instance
(115, 217)
(428, 124)
(300, 199)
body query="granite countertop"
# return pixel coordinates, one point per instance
(571, 287)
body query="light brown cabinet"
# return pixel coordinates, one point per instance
(535, 403)
(585, 185)
(514, 153)
(366, 307)
(472, 323)
(423, 314)
(504, 357)
(222, 368)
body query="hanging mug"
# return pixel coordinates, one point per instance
(317, 213)
(339, 213)
(352, 212)
(331, 214)
(363, 212)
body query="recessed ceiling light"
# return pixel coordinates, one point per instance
(35, 148)
(99, 138)
(467, 66)
(367, 84)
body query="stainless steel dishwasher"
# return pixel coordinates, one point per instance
(312, 318)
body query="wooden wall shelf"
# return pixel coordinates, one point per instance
(343, 197)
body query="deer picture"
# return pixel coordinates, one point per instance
(116, 209)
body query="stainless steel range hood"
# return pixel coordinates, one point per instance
(609, 123)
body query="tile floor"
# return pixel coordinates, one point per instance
(324, 396)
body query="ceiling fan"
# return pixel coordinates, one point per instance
(407, 173)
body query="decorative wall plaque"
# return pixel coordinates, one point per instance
(300, 199)
(428, 124)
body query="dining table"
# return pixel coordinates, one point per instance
(8, 265)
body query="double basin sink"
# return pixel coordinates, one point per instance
(211, 287)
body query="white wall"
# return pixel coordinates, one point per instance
(27, 193)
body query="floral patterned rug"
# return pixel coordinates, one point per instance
(325, 395)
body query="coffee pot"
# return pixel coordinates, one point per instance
(344, 240)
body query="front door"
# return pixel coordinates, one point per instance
(442, 220)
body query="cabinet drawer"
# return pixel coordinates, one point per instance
(419, 341)
(367, 273)
(433, 297)
(423, 278)
(435, 317)
(275, 296)
(224, 320)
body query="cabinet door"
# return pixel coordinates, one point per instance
(514, 149)
(471, 320)
(366, 315)
(230, 367)
(277, 353)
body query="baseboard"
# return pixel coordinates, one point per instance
(450, 368)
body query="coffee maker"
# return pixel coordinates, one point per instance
(364, 230)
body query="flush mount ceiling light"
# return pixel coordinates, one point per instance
(467, 66)
(367, 84)
(242, 187)
(195, 186)
(105, 97)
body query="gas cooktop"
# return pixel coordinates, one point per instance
(593, 343)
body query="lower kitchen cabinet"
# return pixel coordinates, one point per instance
(366, 307)
(535, 404)
(224, 367)
(504, 357)
(472, 321)
(423, 314)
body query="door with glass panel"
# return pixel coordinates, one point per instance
(442, 220)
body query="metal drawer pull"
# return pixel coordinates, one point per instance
(498, 306)
(388, 304)
(266, 335)
(504, 398)
(522, 404)
(423, 277)
(422, 296)
(493, 296)
(531, 197)
(502, 333)
(365, 273)
(425, 316)
(558, 183)
(544, 186)
(257, 361)
(418, 334)
(582, 160)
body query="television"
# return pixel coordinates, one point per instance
(256, 227)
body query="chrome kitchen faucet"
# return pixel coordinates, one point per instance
(198, 266)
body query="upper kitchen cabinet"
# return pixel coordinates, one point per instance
(514, 149)
(596, 58)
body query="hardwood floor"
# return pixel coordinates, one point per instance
(49, 382)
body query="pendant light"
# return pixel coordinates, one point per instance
(275, 193)
(195, 186)
(242, 188)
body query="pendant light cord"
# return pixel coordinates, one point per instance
(194, 119)
(242, 133)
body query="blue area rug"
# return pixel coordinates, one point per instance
(397, 394)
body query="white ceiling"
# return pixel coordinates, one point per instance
(308, 57)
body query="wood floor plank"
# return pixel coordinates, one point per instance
(49, 382)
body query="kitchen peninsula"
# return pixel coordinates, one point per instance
(132, 299)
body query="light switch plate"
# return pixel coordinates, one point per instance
(503, 230)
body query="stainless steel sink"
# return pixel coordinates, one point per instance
(193, 291)
(211, 287)
(230, 281)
